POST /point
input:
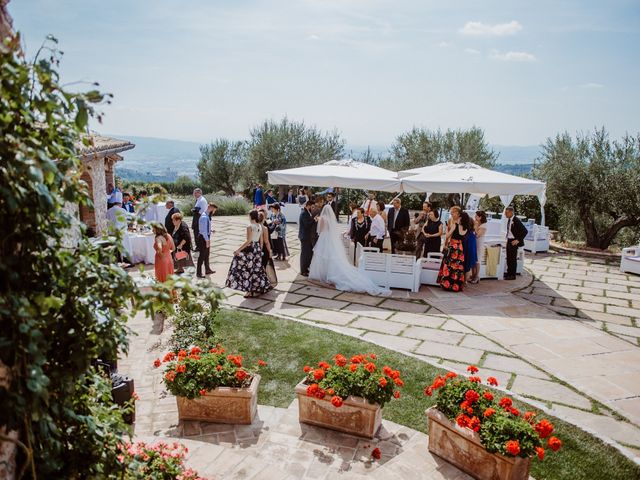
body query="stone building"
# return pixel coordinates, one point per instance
(98, 162)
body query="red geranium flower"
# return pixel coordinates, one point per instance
(472, 369)
(157, 363)
(306, 369)
(505, 402)
(371, 367)
(241, 374)
(451, 375)
(529, 415)
(513, 447)
(396, 394)
(193, 356)
(318, 374)
(540, 452)
(195, 350)
(170, 376)
(169, 356)
(514, 411)
(336, 401)
(202, 392)
(262, 363)
(544, 428)
(462, 420)
(182, 354)
(488, 396)
(373, 356)
(395, 374)
(320, 393)
(218, 367)
(387, 370)
(324, 365)
(340, 360)
(356, 359)
(554, 443)
(475, 379)
(492, 381)
(474, 424)
(472, 396)
(181, 368)
(330, 391)
(382, 382)
(428, 391)
(312, 389)
(438, 382)
(399, 382)
(488, 412)
(353, 367)
(375, 453)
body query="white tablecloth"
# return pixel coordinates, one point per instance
(156, 212)
(291, 212)
(139, 247)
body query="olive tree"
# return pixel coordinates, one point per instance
(222, 165)
(595, 182)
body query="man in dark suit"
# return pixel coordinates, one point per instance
(168, 221)
(306, 235)
(290, 197)
(516, 233)
(398, 222)
(331, 200)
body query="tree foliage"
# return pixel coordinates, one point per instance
(60, 308)
(287, 144)
(221, 165)
(594, 181)
(420, 147)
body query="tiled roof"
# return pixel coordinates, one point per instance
(100, 144)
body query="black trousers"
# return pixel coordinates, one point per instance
(203, 256)
(195, 226)
(306, 254)
(512, 259)
(376, 243)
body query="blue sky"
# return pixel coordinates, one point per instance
(202, 69)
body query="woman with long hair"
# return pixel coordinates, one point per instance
(481, 231)
(246, 272)
(182, 241)
(163, 245)
(469, 245)
(451, 275)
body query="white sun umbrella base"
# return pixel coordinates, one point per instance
(345, 173)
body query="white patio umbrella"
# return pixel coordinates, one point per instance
(346, 173)
(471, 178)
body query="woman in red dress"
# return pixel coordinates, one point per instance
(451, 275)
(163, 245)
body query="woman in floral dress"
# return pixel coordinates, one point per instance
(451, 275)
(246, 272)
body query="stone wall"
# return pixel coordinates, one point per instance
(97, 218)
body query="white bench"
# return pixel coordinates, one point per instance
(538, 239)
(429, 268)
(630, 260)
(390, 270)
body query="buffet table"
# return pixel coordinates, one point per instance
(139, 247)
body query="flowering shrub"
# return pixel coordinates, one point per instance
(160, 461)
(502, 427)
(193, 328)
(192, 373)
(358, 376)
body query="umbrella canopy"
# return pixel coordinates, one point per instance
(339, 173)
(429, 169)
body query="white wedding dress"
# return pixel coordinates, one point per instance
(330, 263)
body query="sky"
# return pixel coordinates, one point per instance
(372, 69)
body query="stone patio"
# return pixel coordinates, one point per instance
(564, 335)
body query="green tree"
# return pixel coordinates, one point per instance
(60, 307)
(287, 144)
(593, 181)
(221, 165)
(421, 147)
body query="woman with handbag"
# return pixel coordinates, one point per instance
(246, 272)
(182, 240)
(163, 245)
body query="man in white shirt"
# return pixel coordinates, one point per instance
(117, 215)
(370, 204)
(200, 208)
(377, 231)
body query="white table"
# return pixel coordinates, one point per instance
(156, 212)
(139, 247)
(291, 212)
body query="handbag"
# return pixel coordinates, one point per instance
(181, 255)
(183, 260)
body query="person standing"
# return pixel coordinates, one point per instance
(432, 233)
(331, 200)
(127, 204)
(117, 216)
(469, 245)
(481, 231)
(246, 272)
(306, 235)
(163, 245)
(181, 240)
(359, 230)
(302, 196)
(200, 208)
(203, 241)
(370, 203)
(289, 197)
(270, 199)
(279, 222)
(451, 274)
(168, 220)
(258, 196)
(399, 221)
(419, 223)
(377, 232)
(516, 233)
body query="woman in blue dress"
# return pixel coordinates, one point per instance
(469, 245)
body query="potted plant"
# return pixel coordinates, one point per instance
(211, 385)
(347, 396)
(486, 437)
(161, 461)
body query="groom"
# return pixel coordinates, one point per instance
(306, 234)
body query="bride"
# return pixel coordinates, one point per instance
(330, 263)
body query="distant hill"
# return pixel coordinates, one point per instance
(163, 160)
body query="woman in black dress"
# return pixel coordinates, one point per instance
(432, 232)
(360, 226)
(182, 241)
(451, 275)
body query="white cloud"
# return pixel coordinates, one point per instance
(513, 56)
(497, 30)
(443, 44)
(591, 85)
(313, 37)
(472, 51)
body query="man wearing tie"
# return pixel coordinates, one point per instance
(203, 240)
(370, 204)
(516, 233)
(289, 197)
(399, 221)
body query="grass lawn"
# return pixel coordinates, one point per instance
(288, 346)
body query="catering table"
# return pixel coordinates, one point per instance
(291, 212)
(139, 247)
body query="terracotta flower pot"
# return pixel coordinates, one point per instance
(222, 405)
(356, 415)
(462, 448)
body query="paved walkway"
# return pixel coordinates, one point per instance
(565, 339)
(276, 445)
